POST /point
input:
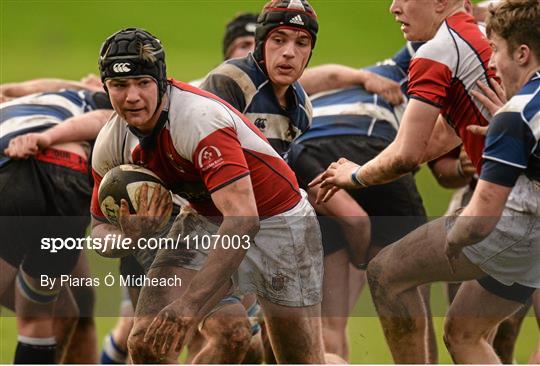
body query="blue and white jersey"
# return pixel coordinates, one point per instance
(243, 84)
(354, 111)
(512, 146)
(38, 112)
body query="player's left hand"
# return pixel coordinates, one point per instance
(172, 327)
(24, 146)
(387, 88)
(337, 176)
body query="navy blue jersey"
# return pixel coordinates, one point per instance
(38, 112)
(512, 146)
(354, 111)
(244, 85)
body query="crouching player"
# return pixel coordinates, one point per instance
(211, 155)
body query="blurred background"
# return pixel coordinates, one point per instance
(61, 39)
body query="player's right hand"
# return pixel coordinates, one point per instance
(24, 146)
(149, 218)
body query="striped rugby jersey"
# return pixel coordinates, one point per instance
(512, 143)
(242, 83)
(201, 146)
(38, 112)
(445, 70)
(355, 111)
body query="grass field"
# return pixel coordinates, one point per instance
(62, 39)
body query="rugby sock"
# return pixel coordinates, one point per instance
(35, 350)
(112, 354)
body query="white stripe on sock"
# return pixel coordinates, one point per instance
(50, 341)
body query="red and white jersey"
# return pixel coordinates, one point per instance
(204, 145)
(446, 69)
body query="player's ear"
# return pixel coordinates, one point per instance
(522, 55)
(441, 5)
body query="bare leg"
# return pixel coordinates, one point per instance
(83, 348)
(507, 334)
(474, 313)
(394, 276)
(295, 333)
(335, 304)
(228, 334)
(535, 357)
(433, 352)
(150, 302)
(7, 276)
(357, 281)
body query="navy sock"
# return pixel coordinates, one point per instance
(35, 350)
(112, 354)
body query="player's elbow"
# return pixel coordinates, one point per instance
(251, 225)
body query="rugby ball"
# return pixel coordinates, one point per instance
(125, 181)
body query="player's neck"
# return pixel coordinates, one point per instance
(281, 95)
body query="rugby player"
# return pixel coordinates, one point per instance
(52, 187)
(444, 250)
(211, 155)
(358, 124)
(264, 84)
(238, 40)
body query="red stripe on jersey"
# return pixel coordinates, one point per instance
(429, 81)
(460, 100)
(219, 158)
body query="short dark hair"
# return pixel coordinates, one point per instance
(242, 25)
(517, 22)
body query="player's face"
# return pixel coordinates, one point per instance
(504, 64)
(135, 100)
(418, 18)
(286, 53)
(241, 46)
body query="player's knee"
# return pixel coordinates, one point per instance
(458, 332)
(377, 276)
(231, 334)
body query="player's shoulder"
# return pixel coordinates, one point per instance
(188, 102)
(441, 44)
(526, 102)
(106, 151)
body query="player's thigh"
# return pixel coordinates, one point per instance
(475, 311)
(420, 258)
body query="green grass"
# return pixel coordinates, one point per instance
(62, 39)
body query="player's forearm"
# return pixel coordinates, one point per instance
(331, 76)
(15, 90)
(446, 171)
(480, 216)
(388, 166)
(79, 128)
(222, 261)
